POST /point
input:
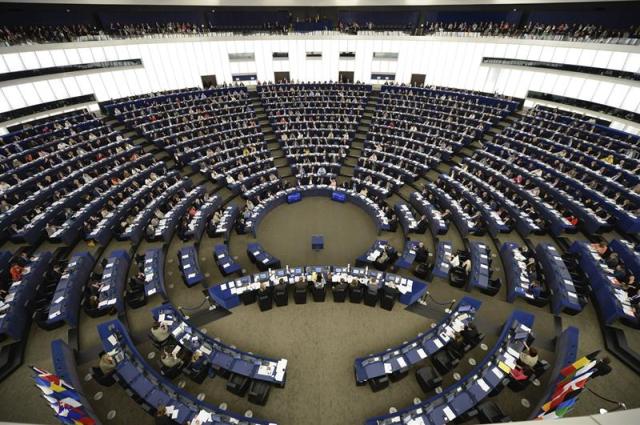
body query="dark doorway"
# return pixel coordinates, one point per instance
(345, 76)
(281, 76)
(209, 81)
(417, 79)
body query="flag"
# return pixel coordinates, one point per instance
(62, 398)
(573, 379)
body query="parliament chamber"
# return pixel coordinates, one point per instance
(219, 212)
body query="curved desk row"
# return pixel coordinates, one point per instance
(409, 255)
(442, 262)
(557, 223)
(32, 232)
(199, 221)
(114, 281)
(566, 352)
(153, 390)
(225, 261)
(154, 272)
(463, 221)
(72, 228)
(168, 224)
(15, 320)
(227, 294)
(474, 387)
(402, 357)
(262, 259)
(592, 223)
(218, 354)
(374, 256)
(227, 221)
(494, 222)
(407, 220)
(64, 364)
(523, 222)
(517, 275)
(564, 295)
(103, 232)
(613, 302)
(480, 270)
(65, 304)
(629, 256)
(339, 195)
(189, 267)
(136, 230)
(424, 207)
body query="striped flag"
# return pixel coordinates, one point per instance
(62, 398)
(573, 380)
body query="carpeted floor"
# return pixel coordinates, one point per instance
(320, 340)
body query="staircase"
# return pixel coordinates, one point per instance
(357, 144)
(278, 155)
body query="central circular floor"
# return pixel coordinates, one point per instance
(347, 229)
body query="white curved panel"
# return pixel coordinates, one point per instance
(455, 62)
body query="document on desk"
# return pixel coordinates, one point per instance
(203, 416)
(401, 362)
(421, 353)
(112, 340)
(449, 413)
(483, 385)
(387, 368)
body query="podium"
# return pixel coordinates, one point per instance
(317, 242)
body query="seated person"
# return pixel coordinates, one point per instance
(470, 333)
(107, 364)
(466, 265)
(342, 285)
(421, 253)
(169, 359)
(536, 289)
(264, 286)
(136, 283)
(385, 256)
(528, 359)
(198, 362)
(16, 271)
(354, 282)
(602, 249)
(602, 367)
(421, 225)
(3, 306)
(162, 417)
(317, 280)
(160, 332)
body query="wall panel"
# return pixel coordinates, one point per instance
(170, 64)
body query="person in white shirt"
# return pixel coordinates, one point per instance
(168, 359)
(529, 357)
(160, 332)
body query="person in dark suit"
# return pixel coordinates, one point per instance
(421, 253)
(162, 418)
(470, 333)
(602, 367)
